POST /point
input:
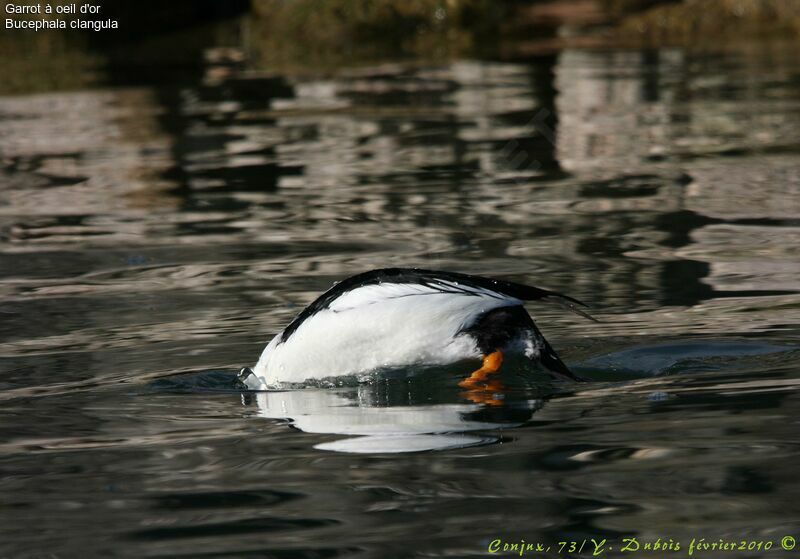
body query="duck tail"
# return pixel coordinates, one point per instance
(550, 360)
(531, 293)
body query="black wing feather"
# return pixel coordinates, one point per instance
(431, 278)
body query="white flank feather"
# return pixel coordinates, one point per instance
(377, 326)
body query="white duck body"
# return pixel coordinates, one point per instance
(393, 318)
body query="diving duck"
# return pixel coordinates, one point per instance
(395, 318)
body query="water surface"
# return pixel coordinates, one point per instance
(153, 238)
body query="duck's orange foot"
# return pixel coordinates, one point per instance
(491, 364)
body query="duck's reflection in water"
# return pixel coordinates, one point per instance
(398, 415)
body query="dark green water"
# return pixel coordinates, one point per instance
(152, 239)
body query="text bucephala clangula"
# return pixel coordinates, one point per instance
(407, 317)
